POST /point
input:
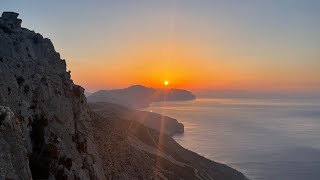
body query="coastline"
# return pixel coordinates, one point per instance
(274, 133)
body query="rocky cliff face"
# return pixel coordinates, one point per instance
(47, 130)
(13, 154)
(50, 120)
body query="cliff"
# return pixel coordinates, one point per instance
(54, 130)
(138, 96)
(48, 131)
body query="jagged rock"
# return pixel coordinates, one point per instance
(14, 163)
(54, 119)
(10, 20)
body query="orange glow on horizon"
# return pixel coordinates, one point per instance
(152, 65)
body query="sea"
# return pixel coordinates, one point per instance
(265, 139)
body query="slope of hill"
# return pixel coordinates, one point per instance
(152, 120)
(135, 152)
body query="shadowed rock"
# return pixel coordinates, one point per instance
(54, 119)
(10, 20)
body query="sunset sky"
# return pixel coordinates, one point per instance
(193, 44)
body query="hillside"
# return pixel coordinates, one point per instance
(151, 120)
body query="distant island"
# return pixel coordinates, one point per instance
(138, 96)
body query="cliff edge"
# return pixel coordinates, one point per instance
(55, 128)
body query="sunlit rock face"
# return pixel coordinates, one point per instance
(54, 124)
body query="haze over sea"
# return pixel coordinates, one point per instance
(276, 139)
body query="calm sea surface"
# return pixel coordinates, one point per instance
(268, 139)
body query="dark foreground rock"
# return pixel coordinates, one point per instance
(47, 130)
(138, 96)
(54, 132)
(152, 120)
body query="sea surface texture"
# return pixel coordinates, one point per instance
(265, 139)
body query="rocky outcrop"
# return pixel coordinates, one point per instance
(138, 96)
(47, 130)
(55, 128)
(162, 124)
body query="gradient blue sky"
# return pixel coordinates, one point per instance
(197, 44)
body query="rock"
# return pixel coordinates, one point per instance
(14, 163)
(10, 20)
(47, 105)
(9, 16)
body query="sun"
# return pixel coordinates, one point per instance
(166, 83)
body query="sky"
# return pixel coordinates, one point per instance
(194, 44)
